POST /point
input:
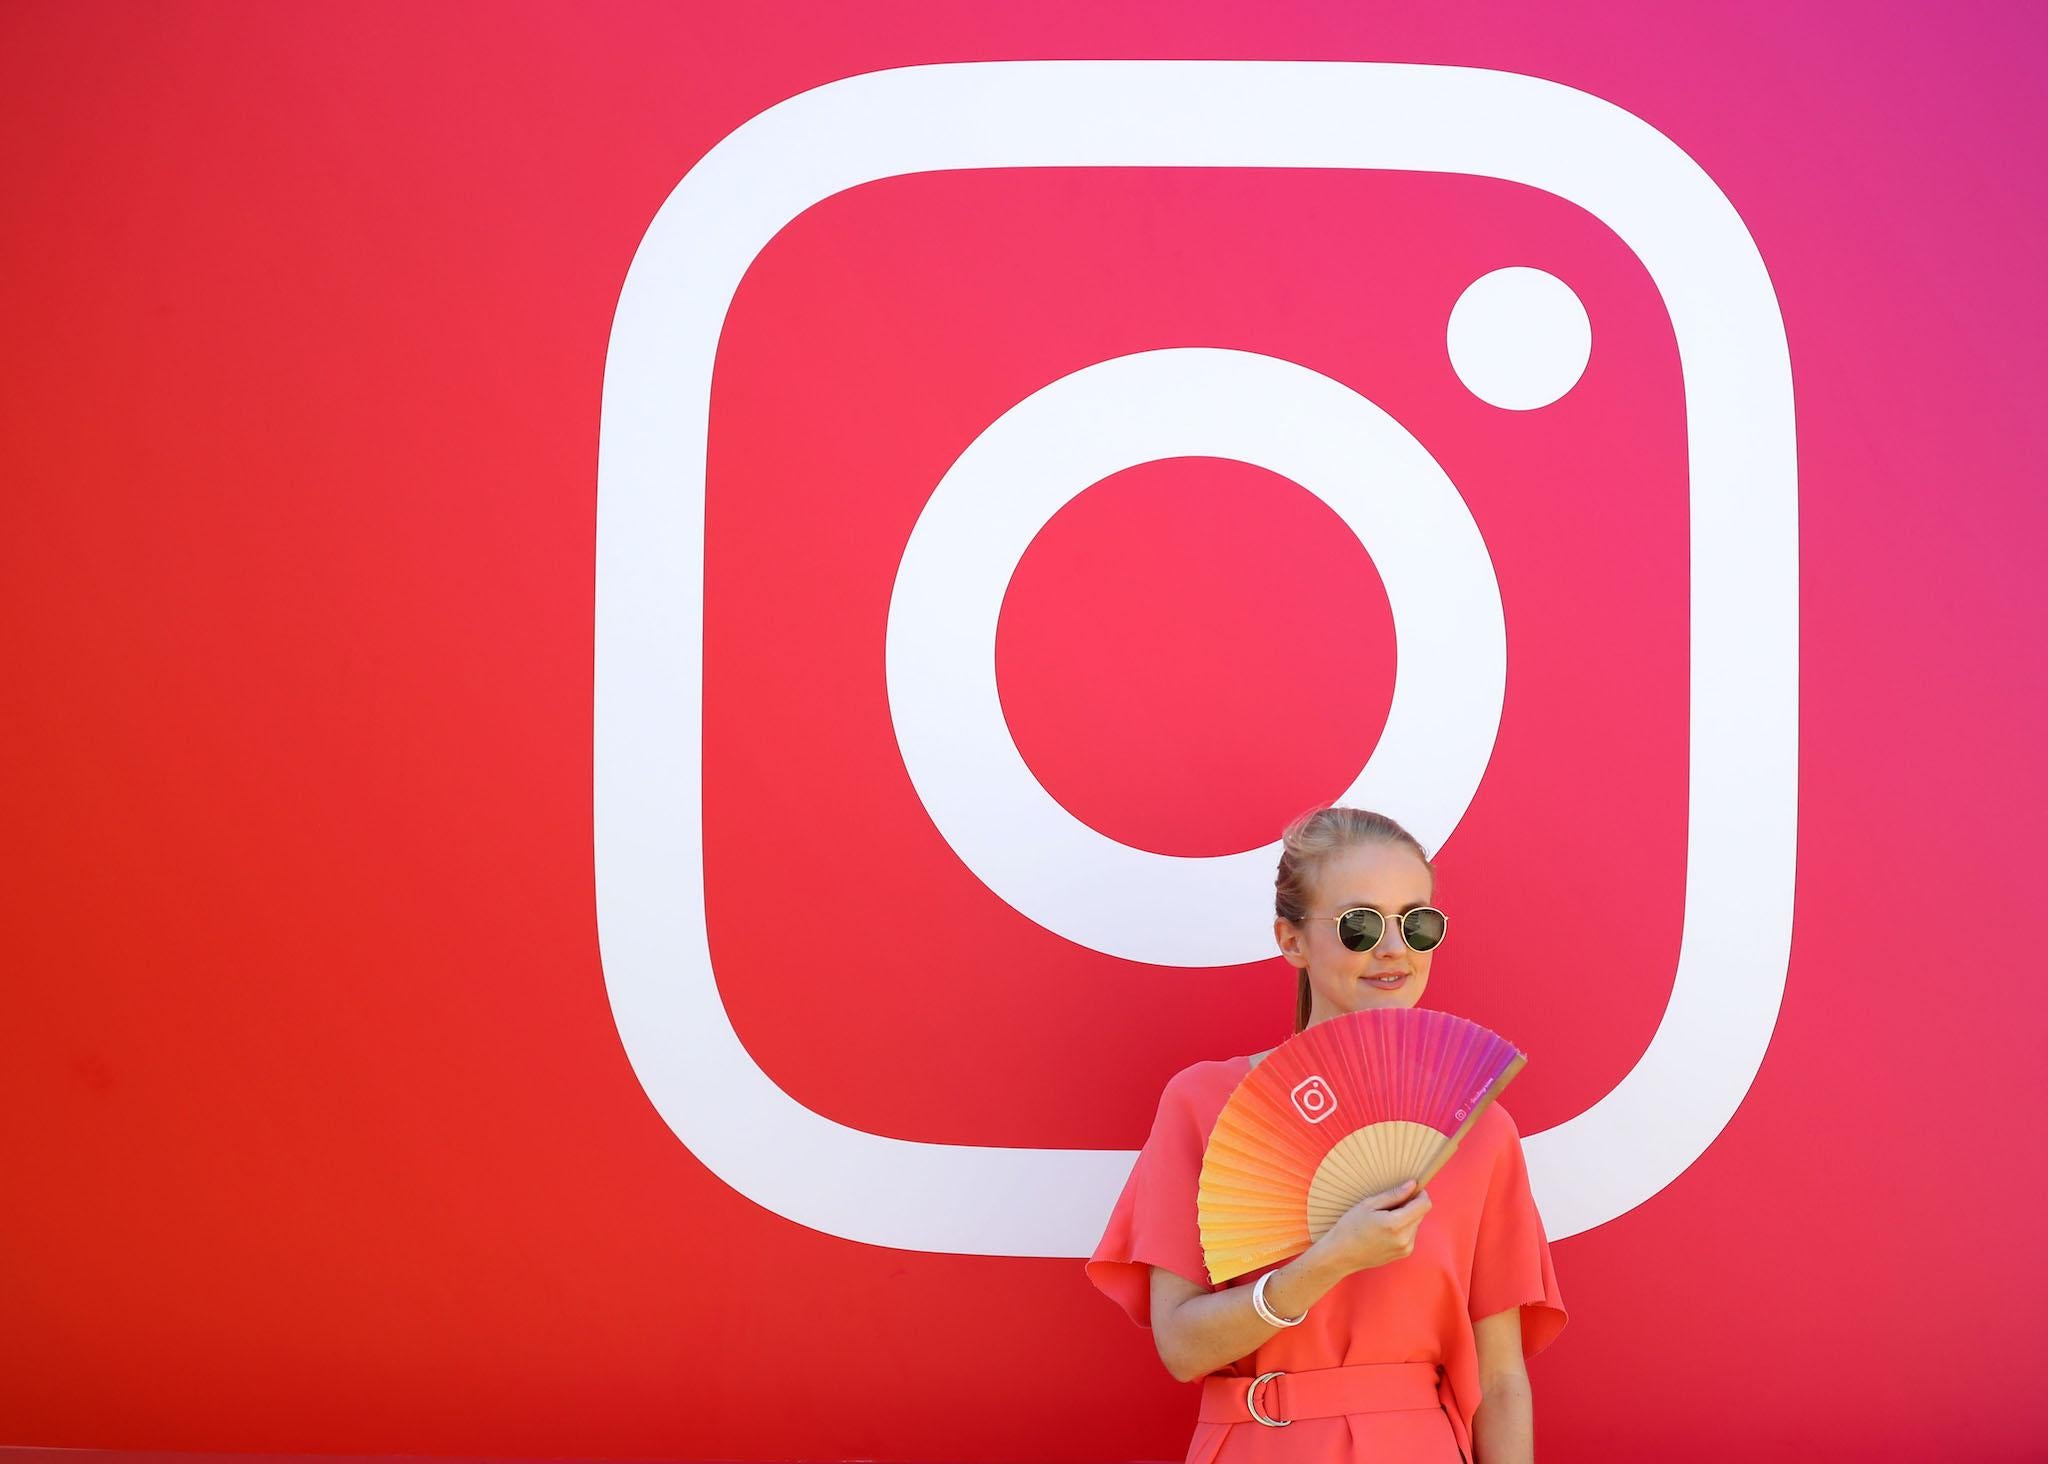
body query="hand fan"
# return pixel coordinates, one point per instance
(1351, 1106)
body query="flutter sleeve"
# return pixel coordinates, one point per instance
(1154, 1222)
(1511, 1262)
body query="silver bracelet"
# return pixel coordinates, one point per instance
(1266, 1313)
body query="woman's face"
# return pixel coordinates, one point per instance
(1393, 881)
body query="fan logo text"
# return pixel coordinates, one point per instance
(1313, 1099)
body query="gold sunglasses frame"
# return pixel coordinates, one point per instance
(1400, 925)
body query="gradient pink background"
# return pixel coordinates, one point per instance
(318, 1134)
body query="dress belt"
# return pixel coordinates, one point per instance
(1278, 1398)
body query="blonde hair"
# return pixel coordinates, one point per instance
(1305, 845)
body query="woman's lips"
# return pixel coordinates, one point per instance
(1390, 976)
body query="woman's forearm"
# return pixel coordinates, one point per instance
(1504, 1428)
(1209, 1332)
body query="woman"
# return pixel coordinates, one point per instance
(1400, 1335)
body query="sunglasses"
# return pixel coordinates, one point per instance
(1361, 927)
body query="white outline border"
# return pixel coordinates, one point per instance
(647, 813)
(1450, 679)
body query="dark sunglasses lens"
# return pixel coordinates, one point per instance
(1359, 929)
(1423, 929)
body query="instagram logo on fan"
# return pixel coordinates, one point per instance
(1313, 1099)
(820, 487)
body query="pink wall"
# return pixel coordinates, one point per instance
(321, 1133)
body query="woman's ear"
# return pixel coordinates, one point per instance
(1287, 935)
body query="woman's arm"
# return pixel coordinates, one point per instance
(1504, 1428)
(1199, 1331)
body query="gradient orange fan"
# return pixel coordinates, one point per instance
(1352, 1106)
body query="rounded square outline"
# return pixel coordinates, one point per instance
(1294, 1097)
(647, 695)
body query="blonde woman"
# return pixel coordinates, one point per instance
(1400, 1336)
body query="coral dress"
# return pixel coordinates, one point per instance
(1480, 1250)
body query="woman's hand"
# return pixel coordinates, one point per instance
(1378, 1229)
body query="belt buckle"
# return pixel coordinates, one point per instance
(1251, 1401)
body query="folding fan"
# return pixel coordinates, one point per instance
(1351, 1106)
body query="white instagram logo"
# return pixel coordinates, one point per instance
(1742, 786)
(1313, 1099)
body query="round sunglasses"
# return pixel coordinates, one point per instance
(1361, 927)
